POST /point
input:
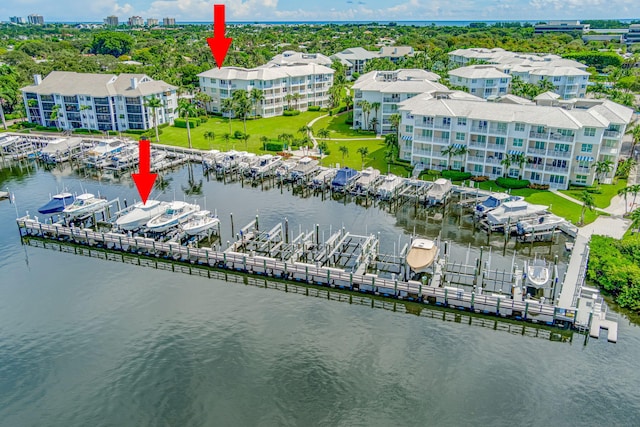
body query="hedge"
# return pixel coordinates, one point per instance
(289, 113)
(238, 134)
(313, 108)
(87, 131)
(47, 128)
(337, 110)
(273, 146)
(455, 175)
(182, 123)
(512, 183)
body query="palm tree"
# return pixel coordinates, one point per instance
(242, 105)
(395, 120)
(336, 94)
(634, 189)
(85, 108)
(226, 136)
(363, 151)
(186, 109)
(448, 151)
(264, 141)
(635, 138)
(601, 168)
(374, 123)
(227, 107)
(587, 203)
(375, 106)
(546, 85)
(506, 162)
(154, 103)
(2, 101)
(288, 98)
(366, 109)
(257, 96)
(55, 115)
(201, 100)
(324, 133)
(520, 159)
(624, 192)
(210, 135)
(296, 98)
(344, 150)
(348, 102)
(305, 130)
(462, 151)
(635, 217)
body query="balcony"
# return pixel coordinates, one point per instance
(556, 169)
(608, 150)
(442, 126)
(441, 140)
(358, 95)
(496, 147)
(498, 131)
(560, 137)
(390, 99)
(537, 135)
(479, 129)
(536, 151)
(421, 153)
(535, 166)
(561, 154)
(611, 134)
(475, 159)
(582, 170)
(477, 144)
(493, 160)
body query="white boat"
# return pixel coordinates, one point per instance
(512, 212)
(141, 214)
(127, 157)
(366, 181)
(101, 153)
(265, 165)
(540, 224)
(439, 191)
(284, 170)
(209, 159)
(421, 255)
(537, 279)
(200, 222)
(492, 202)
(176, 213)
(228, 161)
(247, 161)
(60, 150)
(323, 178)
(85, 204)
(387, 189)
(305, 167)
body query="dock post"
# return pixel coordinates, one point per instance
(526, 311)
(498, 306)
(446, 296)
(473, 298)
(286, 231)
(257, 223)
(351, 281)
(317, 234)
(232, 230)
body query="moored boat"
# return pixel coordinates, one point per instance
(439, 191)
(492, 202)
(141, 214)
(344, 177)
(305, 167)
(200, 222)
(85, 204)
(387, 189)
(175, 213)
(421, 255)
(57, 203)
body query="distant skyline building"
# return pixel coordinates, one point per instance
(561, 27)
(17, 20)
(136, 21)
(167, 22)
(111, 21)
(152, 22)
(35, 19)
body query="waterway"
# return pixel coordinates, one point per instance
(91, 342)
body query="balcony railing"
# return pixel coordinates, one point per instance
(560, 137)
(608, 150)
(493, 160)
(479, 129)
(442, 126)
(536, 150)
(558, 153)
(477, 144)
(556, 169)
(389, 99)
(582, 169)
(496, 147)
(534, 166)
(498, 131)
(611, 134)
(538, 135)
(441, 140)
(475, 159)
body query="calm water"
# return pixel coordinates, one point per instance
(91, 342)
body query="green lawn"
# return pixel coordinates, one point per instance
(375, 158)
(270, 127)
(559, 206)
(339, 129)
(602, 199)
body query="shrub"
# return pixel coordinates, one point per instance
(86, 131)
(289, 113)
(455, 175)
(539, 186)
(112, 133)
(349, 120)
(480, 178)
(313, 108)
(46, 128)
(238, 134)
(203, 119)
(273, 146)
(512, 183)
(182, 123)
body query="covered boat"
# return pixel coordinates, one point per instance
(421, 255)
(387, 189)
(366, 180)
(344, 177)
(439, 191)
(176, 213)
(140, 214)
(303, 168)
(57, 203)
(512, 212)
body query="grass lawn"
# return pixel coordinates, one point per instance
(339, 129)
(603, 199)
(270, 127)
(559, 206)
(375, 158)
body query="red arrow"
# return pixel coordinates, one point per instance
(144, 179)
(219, 44)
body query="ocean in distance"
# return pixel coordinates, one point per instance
(90, 342)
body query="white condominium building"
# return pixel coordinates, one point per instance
(384, 90)
(355, 58)
(568, 77)
(291, 57)
(98, 101)
(560, 145)
(307, 84)
(481, 80)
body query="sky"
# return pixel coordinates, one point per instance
(326, 10)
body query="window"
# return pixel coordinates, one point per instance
(427, 121)
(213, 81)
(460, 136)
(462, 121)
(519, 127)
(518, 142)
(535, 176)
(539, 145)
(409, 129)
(489, 82)
(473, 90)
(482, 139)
(496, 171)
(589, 131)
(561, 148)
(502, 127)
(427, 133)
(556, 179)
(556, 78)
(587, 148)
(474, 80)
(477, 168)
(503, 81)
(503, 90)
(500, 140)
(514, 173)
(446, 121)
(581, 179)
